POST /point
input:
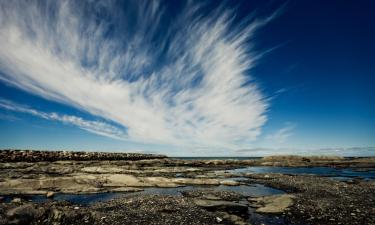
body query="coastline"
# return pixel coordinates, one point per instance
(211, 195)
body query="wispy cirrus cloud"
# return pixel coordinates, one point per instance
(96, 127)
(281, 135)
(180, 79)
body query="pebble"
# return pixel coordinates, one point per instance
(218, 219)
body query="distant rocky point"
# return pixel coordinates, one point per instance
(37, 156)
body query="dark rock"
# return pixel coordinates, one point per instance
(21, 215)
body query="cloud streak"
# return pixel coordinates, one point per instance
(281, 135)
(181, 80)
(96, 127)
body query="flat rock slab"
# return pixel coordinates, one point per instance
(273, 203)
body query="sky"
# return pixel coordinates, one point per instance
(188, 78)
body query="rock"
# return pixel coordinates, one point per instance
(273, 203)
(16, 200)
(229, 182)
(101, 169)
(120, 180)
(232, 207)
(50, 194)
(56, 215)
(21, 215)
(211, 197)
(233, 219)
(126, 189)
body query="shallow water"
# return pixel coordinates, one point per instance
(335, 173)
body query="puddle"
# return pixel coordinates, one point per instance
(337, 173)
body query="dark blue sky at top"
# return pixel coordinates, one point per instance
(319, 76)
(326, 65)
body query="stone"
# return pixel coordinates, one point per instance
(233, 219)
(273, 203)
(50, 194)
(56, 215)
(21, 215)
(16, 200)
(229, 182)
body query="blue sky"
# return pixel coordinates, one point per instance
(186, 78)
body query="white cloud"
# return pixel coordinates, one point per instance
(333, 151)
(281, 135)
(183, 87)
(96, 127)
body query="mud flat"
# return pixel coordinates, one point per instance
(154, 189)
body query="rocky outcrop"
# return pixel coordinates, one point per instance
(306, 161)
(37, 156)
(93, 183)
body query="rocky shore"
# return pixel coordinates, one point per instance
(39, 156)
(307, 199)
(320, 200)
